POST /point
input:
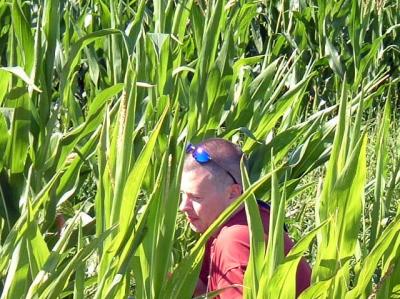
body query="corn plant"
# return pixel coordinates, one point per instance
(102, 96)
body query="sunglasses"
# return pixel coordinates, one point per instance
(202, 156)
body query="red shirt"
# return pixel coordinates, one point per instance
(227, 255)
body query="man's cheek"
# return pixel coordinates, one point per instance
(197, 208)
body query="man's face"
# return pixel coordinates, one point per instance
(203, 198)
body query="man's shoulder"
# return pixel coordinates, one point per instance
(233, 235)
(231, 248)
(237, 225)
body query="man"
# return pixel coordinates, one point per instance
(211, 181)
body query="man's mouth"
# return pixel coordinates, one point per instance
(191, 218)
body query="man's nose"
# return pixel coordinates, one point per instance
(185, 203)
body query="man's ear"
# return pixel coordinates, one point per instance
(235, 191)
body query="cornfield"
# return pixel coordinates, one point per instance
(99, 98)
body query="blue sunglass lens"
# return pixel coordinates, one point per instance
(198, 153)
(201, 155)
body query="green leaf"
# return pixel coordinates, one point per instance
(16, 283)
(380, 207)
(333, 58)
(254, 268)
(283, 281)
(371, 261)
(20, 73)
(22, 28)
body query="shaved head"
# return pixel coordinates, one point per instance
(225, 156)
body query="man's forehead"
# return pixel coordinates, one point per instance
(195, 180)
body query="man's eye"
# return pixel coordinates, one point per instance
(183, 195)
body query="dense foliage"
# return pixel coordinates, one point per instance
(97, 101)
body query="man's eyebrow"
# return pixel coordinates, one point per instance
(191, 194)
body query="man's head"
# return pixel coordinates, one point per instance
(211, 181)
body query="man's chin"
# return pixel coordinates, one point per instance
(196, 228)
